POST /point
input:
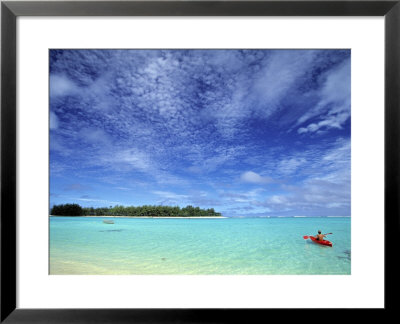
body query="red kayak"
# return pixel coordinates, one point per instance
(324, 242)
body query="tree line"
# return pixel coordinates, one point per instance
(146, 210)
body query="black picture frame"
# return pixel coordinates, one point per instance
(10, 10)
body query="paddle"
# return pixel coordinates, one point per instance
(307, 236)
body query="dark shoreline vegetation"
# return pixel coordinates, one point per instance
(146, 210)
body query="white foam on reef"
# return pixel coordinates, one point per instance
(339, 216)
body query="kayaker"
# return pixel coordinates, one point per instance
(320, 237)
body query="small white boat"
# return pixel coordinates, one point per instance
(108, 221)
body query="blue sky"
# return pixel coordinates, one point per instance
(247, 132)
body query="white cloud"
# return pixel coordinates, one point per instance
(327, 186)
(281, 73)
(169, 195)
(53, 120)
(94, 135)
(134, 158)
(289, 166)
(333, 108)
(333, 121)
(248, 197)
(107, 202)
(61, 85)
(276, 199)
(252, 177)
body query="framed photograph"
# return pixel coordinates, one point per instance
(187, 161)
(195, 130)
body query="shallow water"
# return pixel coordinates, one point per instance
(83, 245)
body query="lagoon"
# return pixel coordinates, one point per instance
(155, 246)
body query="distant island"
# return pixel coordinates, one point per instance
(133, 211)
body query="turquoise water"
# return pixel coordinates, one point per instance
(83, 245)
